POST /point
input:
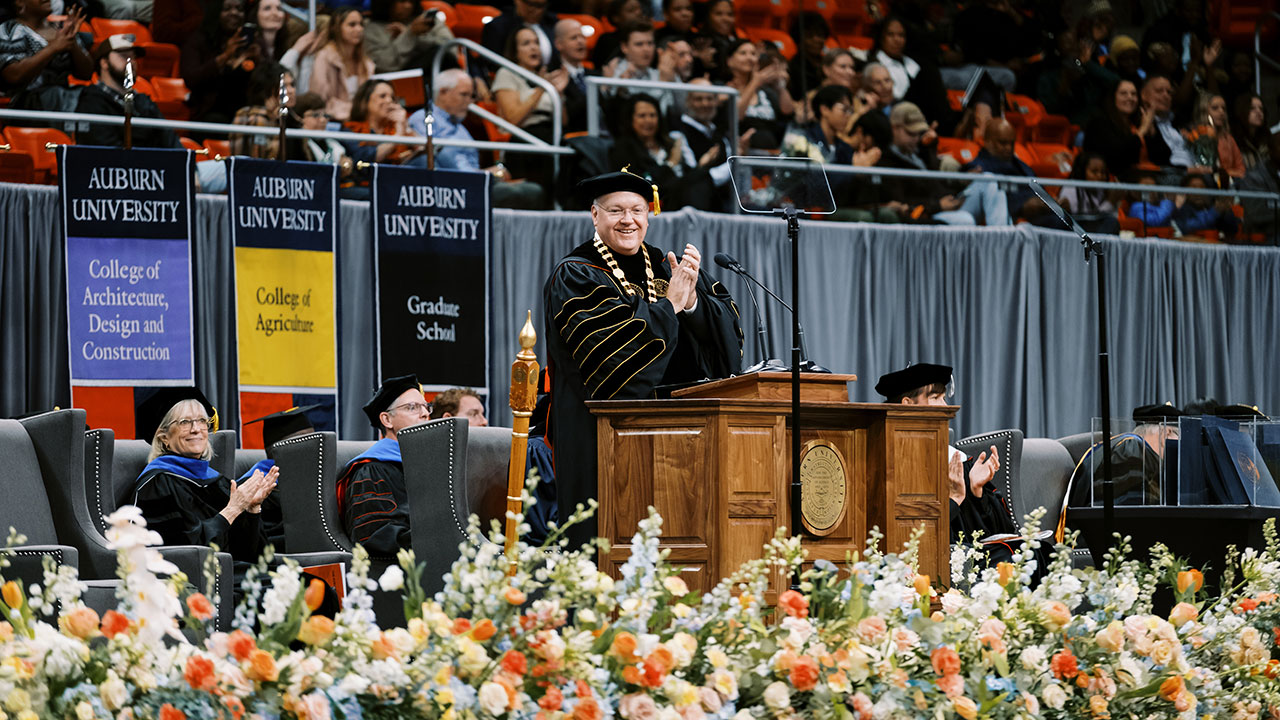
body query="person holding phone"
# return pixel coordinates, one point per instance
(217, 62)
(399, 35)
(37, 55)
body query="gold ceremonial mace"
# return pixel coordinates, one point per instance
(524, 395)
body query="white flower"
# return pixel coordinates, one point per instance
(1033, 658)
(392, 579)
(1054, 696)
(113, 691)
(84, 711)
(493, 698)
(777, 696)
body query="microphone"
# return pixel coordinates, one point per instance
(728, 262)
(762, 345)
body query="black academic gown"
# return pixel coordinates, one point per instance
(605, 345)
(1135, 470)
(374, 505)
(989, 515)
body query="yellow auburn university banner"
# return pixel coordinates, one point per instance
(284, 220)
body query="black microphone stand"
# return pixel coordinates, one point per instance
(793, 234)
(806, 364)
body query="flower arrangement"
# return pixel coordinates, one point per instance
(560, 640)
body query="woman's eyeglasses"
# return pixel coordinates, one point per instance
(186, 424)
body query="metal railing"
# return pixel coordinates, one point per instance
(594, 83)
(1258, 57)
(226, 129)
(416, 73)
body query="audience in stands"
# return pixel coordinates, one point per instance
(703, 130)
(377, 110)
(527, 105)
(139, 10)
(263, 110)
(1151, 208)
(459, 402)
(823, 139)
(310, 109)
(343, 64)
(717, 32)
(454, 92)
(1165, 144)
(620, 14)
(37, 56)
(1125, 60)
(915, 80)
(878, 84)
(645, 145)
(636, 61)
(991, 36)
(677, 16)
(764, 104)
(675, 60)
(1211, 116)
(810, 31)
(1094, 209)
(399, 35)
(301, 58)
(531, 14)
(107, 98)
(217, 61)
(1112, 134)
(1074, 84)
(1197, 213)
(1253, 137)
(997, 157)
(275, 34)
(571, 45)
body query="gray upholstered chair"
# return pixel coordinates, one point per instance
(1077, 445)
(1009, 444)
(435, 469)
(309, 468)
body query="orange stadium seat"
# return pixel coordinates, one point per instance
(825, 8)
(1024, 153)
(450, 14)
(780, 39)
(860, 42)
(410, 89)
(16, 167)
(160, 60)
(106, 27)
(31, 142)
(1052, 128)
(221, 148)
(496, 134)
(472, 19)
(762, 13)
(170, 95)
(962, 150)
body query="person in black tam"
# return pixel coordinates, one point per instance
(372, 500)
(1135, 461)
(183, 499)
(976, 505)
(622, 318)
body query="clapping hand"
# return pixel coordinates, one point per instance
(983, 471)
(248, 495)
(65, 38)
(682, 291)
(955, 478)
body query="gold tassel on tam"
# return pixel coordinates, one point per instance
(657, 203)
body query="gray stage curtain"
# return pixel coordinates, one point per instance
(1013, 310)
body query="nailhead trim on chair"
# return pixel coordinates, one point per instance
(1008, 484)
(319, 492)
(54, 553)
(432, 427)
(99, 518)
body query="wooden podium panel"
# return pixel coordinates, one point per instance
(718, 470)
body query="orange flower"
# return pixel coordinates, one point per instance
(1272, 670)
(631, 675)
(241, 645)
(1193, 579)
(922, 585)
(1005, 571)
(113, 623)
(587, 709)
(382, 648)
(483, 630)
(262, 667)
(12, 593)
(945, 660)
(199, 606)
(1246, 605)
(81, 622)
(234, 706)
(624, 645)
(804, 673)
(552, 700)
(169, 712)
(515, 662)
(1277, 633)
(199, 673)
(316, 630)
(1171, 688)
(1064, 665)
(314, 595)
(513, 595)
(795, 604)
(461, 625)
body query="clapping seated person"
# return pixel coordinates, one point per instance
(1094, 208)
(342, 66)
(764, 104)
(1196, 213)
(377, 111)
(400, 35)
(263, 110)
(454, 90)
(620, 14)
(1118, 133)
(185, 500)
(526, 104)
(997, 157)
(571, 45)
(703, 129)
(373, 501)
(1152, 209)
(37, 56)
(922, 199)
(644, 145)
(107, 98)
(217, 61)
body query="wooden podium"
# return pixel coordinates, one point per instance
(715, 462)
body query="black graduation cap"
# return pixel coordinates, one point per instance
(601, 185)
(913, 377)
(386, 394)
(154, 404)
(1164, 412)
(280, 425)
(1240, 410)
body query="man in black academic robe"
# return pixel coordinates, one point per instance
(1135, 461)
(623, 318)
(372, 500)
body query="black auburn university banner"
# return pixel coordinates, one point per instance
(431, 238)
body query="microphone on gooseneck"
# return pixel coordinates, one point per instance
(728, 262)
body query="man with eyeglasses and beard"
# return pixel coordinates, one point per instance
(107, 98)
(623, 318)
(372, 500)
